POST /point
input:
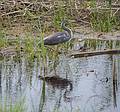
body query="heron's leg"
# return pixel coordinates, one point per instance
(55, 58)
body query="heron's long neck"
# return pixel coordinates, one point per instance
(67, 29)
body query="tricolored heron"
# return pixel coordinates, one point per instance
(59, 37)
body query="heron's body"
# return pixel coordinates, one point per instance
(59, 37)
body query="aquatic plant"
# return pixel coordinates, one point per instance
(16, 107)
(103, 19)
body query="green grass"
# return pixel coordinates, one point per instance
(100, 44)
(103, 21)
(3, 41)
(59, 14)
(100, 20)
(57, 18)
(17, 107)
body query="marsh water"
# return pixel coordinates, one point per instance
(63, 84)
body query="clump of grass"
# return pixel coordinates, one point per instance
(29, 42)
(59, 15)
(17, 107)
(3, 41)
(43, 49)
(103, 21)
(90, 3)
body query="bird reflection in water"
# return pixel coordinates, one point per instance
(58, 82)
(62, 84)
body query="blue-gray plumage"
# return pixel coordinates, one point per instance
(59, 37)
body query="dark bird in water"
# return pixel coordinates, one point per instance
(59, 37)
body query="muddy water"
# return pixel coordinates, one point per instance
(84, 84)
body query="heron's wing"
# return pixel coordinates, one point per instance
(55, 35)
(56, 38)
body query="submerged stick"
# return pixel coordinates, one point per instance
(79, 54)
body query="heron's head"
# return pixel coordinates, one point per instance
(64, 22)
(63, 25)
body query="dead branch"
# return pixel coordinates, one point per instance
(11, 13)
(93, 53)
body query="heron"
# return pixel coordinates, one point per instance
(59, 37)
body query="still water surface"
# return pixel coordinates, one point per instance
(77, 84)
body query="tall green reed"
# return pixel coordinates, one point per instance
(59, 14)
(104, 19)
(18, 106)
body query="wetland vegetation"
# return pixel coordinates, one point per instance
(64, 77)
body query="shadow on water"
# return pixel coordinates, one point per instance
(61, 83)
